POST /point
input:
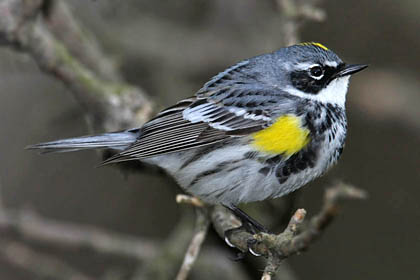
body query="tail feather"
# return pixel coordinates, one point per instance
(115, 140)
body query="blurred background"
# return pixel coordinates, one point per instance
(170, 48)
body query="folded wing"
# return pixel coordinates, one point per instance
(192, 123)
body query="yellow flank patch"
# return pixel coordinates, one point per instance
(314, 44)
(286, 136)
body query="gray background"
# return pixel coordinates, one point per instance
(170, 48)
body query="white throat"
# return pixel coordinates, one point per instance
(334, 93)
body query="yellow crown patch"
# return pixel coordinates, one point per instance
(314, 44)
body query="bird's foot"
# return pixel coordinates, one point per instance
(251, 242)
(249, 225)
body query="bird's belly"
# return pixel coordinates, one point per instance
(233, 174)
(225, 175)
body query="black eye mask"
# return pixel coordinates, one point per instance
(303, 81)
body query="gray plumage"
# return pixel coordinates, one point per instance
(113, 140)
(205, 142)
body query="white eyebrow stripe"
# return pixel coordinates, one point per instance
(305, 65)
(331, 63)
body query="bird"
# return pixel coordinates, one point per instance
(258, 130)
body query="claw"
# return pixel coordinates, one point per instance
(249, 225)
(229, 243)
(253, 252)
(251, 243)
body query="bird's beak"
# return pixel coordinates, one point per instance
(350, 69)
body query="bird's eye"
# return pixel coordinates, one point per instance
(316, 72)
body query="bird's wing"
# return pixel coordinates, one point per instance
(198, 121)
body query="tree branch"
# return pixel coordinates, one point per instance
(80, 42)
(34, 227)
(111, 103)
(31, 226)
(294, 14)
(295, 238)
(202, 224)
(53, 38)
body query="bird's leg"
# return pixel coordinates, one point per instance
(249, 224)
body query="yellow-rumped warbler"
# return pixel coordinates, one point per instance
(260, 129)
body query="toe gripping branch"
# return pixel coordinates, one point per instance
(247, 235)
(250, 236)
(247, 225)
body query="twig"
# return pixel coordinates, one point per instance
(295, 238)
(182, 198)
(275, 258)
(31, 226)
(34, 227)
(266, 276)
(295, 13)
(165, 264)
(162, 265)
(202, 224)
(112, 103)
(80, 42)
(289, 243)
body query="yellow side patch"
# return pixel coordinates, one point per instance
(286, 136)
(314, 44)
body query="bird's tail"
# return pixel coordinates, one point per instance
(115, 140)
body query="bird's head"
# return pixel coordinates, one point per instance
(313, 71)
